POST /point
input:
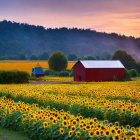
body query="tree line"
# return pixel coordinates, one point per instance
(19, 39)
(58, 61)
(45, 56)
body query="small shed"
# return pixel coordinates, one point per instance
(37, 72)
(98, 70)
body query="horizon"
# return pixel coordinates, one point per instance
(120, 17)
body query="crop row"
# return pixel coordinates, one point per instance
(43, 123)
(123, 111)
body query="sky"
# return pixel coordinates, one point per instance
(119, 16)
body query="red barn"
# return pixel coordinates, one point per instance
(98, 70)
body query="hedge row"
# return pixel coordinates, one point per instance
(13, 76)
(65, 73)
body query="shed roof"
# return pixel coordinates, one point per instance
(38, 70)
(102, 64)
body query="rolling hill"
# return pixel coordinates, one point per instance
(17, 38)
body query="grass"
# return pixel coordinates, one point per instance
(6, 134)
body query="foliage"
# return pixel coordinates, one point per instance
(14, 76)
(33, 57)
(127, 76)
(64, 73)
(57, 61)
(44, 56)
(72, 57)
(102, 110)
(30, 39)
(12, 135)
(138, 67)
(89, 57)
(83, 99)
(114, 78)
(43, 123)
(133, 73)
(126, 59)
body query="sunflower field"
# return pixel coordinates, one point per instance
(25, 65)
(104, 110)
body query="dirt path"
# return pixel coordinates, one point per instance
(48, 82)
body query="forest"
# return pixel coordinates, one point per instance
(22, 38)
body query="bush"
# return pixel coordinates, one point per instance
(127, 76)
(114, 78)
(14, 76)
(51, 73)
(64, 73)
(133, 73)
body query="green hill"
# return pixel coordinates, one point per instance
(16, 38)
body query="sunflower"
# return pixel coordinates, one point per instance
(105, 121)
(51, 118)
(64, 117)
(74, 122)
(45, 124)
(125, 138)
(102, 132)
(48, 107)
(113, 131)
(111, 138)
(69, 126)
(64, 123)
(80, 126)
(54, 121)
(88, 127)
(133, 137)
(42, 107)
(95, 119)
(107, 133)
(117, 137)
(116, 123)
(24, 116)
(91, 134)
(78, 134)
(128, 126)
(119, 131)
(97, 132)
(58, 118)
(111, 124)
(73, 128)
(62, 131)
(70, 133)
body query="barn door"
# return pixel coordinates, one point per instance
(79, 78)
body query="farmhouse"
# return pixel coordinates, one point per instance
(98, 70)
(37, 72)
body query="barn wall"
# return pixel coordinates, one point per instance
(104, 74)
(79, 71)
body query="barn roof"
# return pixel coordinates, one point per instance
(102, 64)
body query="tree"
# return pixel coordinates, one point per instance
(13, 57)
(89, 57)
(127, 60)
(33, 57)
(133, 73)
(72, 57)
(138, 67)
(44, 56)
(21, 57)
(58, 61)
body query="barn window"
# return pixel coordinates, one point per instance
(80, 78)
